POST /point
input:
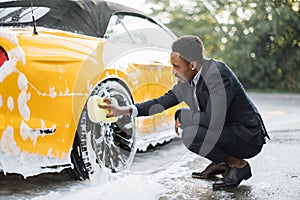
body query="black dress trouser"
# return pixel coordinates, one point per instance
(227, 144)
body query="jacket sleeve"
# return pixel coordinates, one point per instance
(168, 100)
(220, 95)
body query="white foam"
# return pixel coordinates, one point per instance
(9, 35)
(8, 143)
(7, 69)
(10, 103)
(52, 92)
(17, 54)
(27, 132)
(12, 159)
(22, 105)
(22, 82)
(89, 86)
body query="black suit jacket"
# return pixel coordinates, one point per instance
(222, 101)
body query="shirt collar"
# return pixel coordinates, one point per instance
(196, 78)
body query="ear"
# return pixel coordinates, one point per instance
(193, 65)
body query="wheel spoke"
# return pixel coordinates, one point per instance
(124, 141)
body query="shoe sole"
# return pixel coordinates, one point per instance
(224, 188)
(230, 186)
(203, 177)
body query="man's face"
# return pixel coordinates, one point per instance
(182, 69)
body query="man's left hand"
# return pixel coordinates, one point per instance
(177, 126)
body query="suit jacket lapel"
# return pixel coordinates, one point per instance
(201, 91)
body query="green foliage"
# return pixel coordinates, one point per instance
(259, 40)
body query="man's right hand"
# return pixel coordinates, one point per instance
(115, 110)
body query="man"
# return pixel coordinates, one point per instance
(221, 124)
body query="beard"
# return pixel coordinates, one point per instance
(181, 79)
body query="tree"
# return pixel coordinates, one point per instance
(259, 40)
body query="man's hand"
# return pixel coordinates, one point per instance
(177, 126)
(115, 110)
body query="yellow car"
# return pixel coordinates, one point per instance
(55, 55)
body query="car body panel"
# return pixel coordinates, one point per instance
(52, 85)
(46, 83)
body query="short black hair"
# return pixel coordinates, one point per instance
(190, 47)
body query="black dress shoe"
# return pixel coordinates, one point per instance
(211, 171)
(234, 177)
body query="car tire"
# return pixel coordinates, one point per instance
(109, 145)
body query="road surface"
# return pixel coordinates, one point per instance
(166, 172)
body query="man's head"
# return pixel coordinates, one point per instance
(187, 57)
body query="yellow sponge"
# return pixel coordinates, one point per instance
(97, 114)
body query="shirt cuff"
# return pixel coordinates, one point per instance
(134, 111)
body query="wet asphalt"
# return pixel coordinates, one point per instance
(275, 171)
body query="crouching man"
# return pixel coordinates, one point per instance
(222, 124)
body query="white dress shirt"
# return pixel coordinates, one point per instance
(193, 84)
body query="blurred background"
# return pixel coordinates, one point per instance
(258, 40)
